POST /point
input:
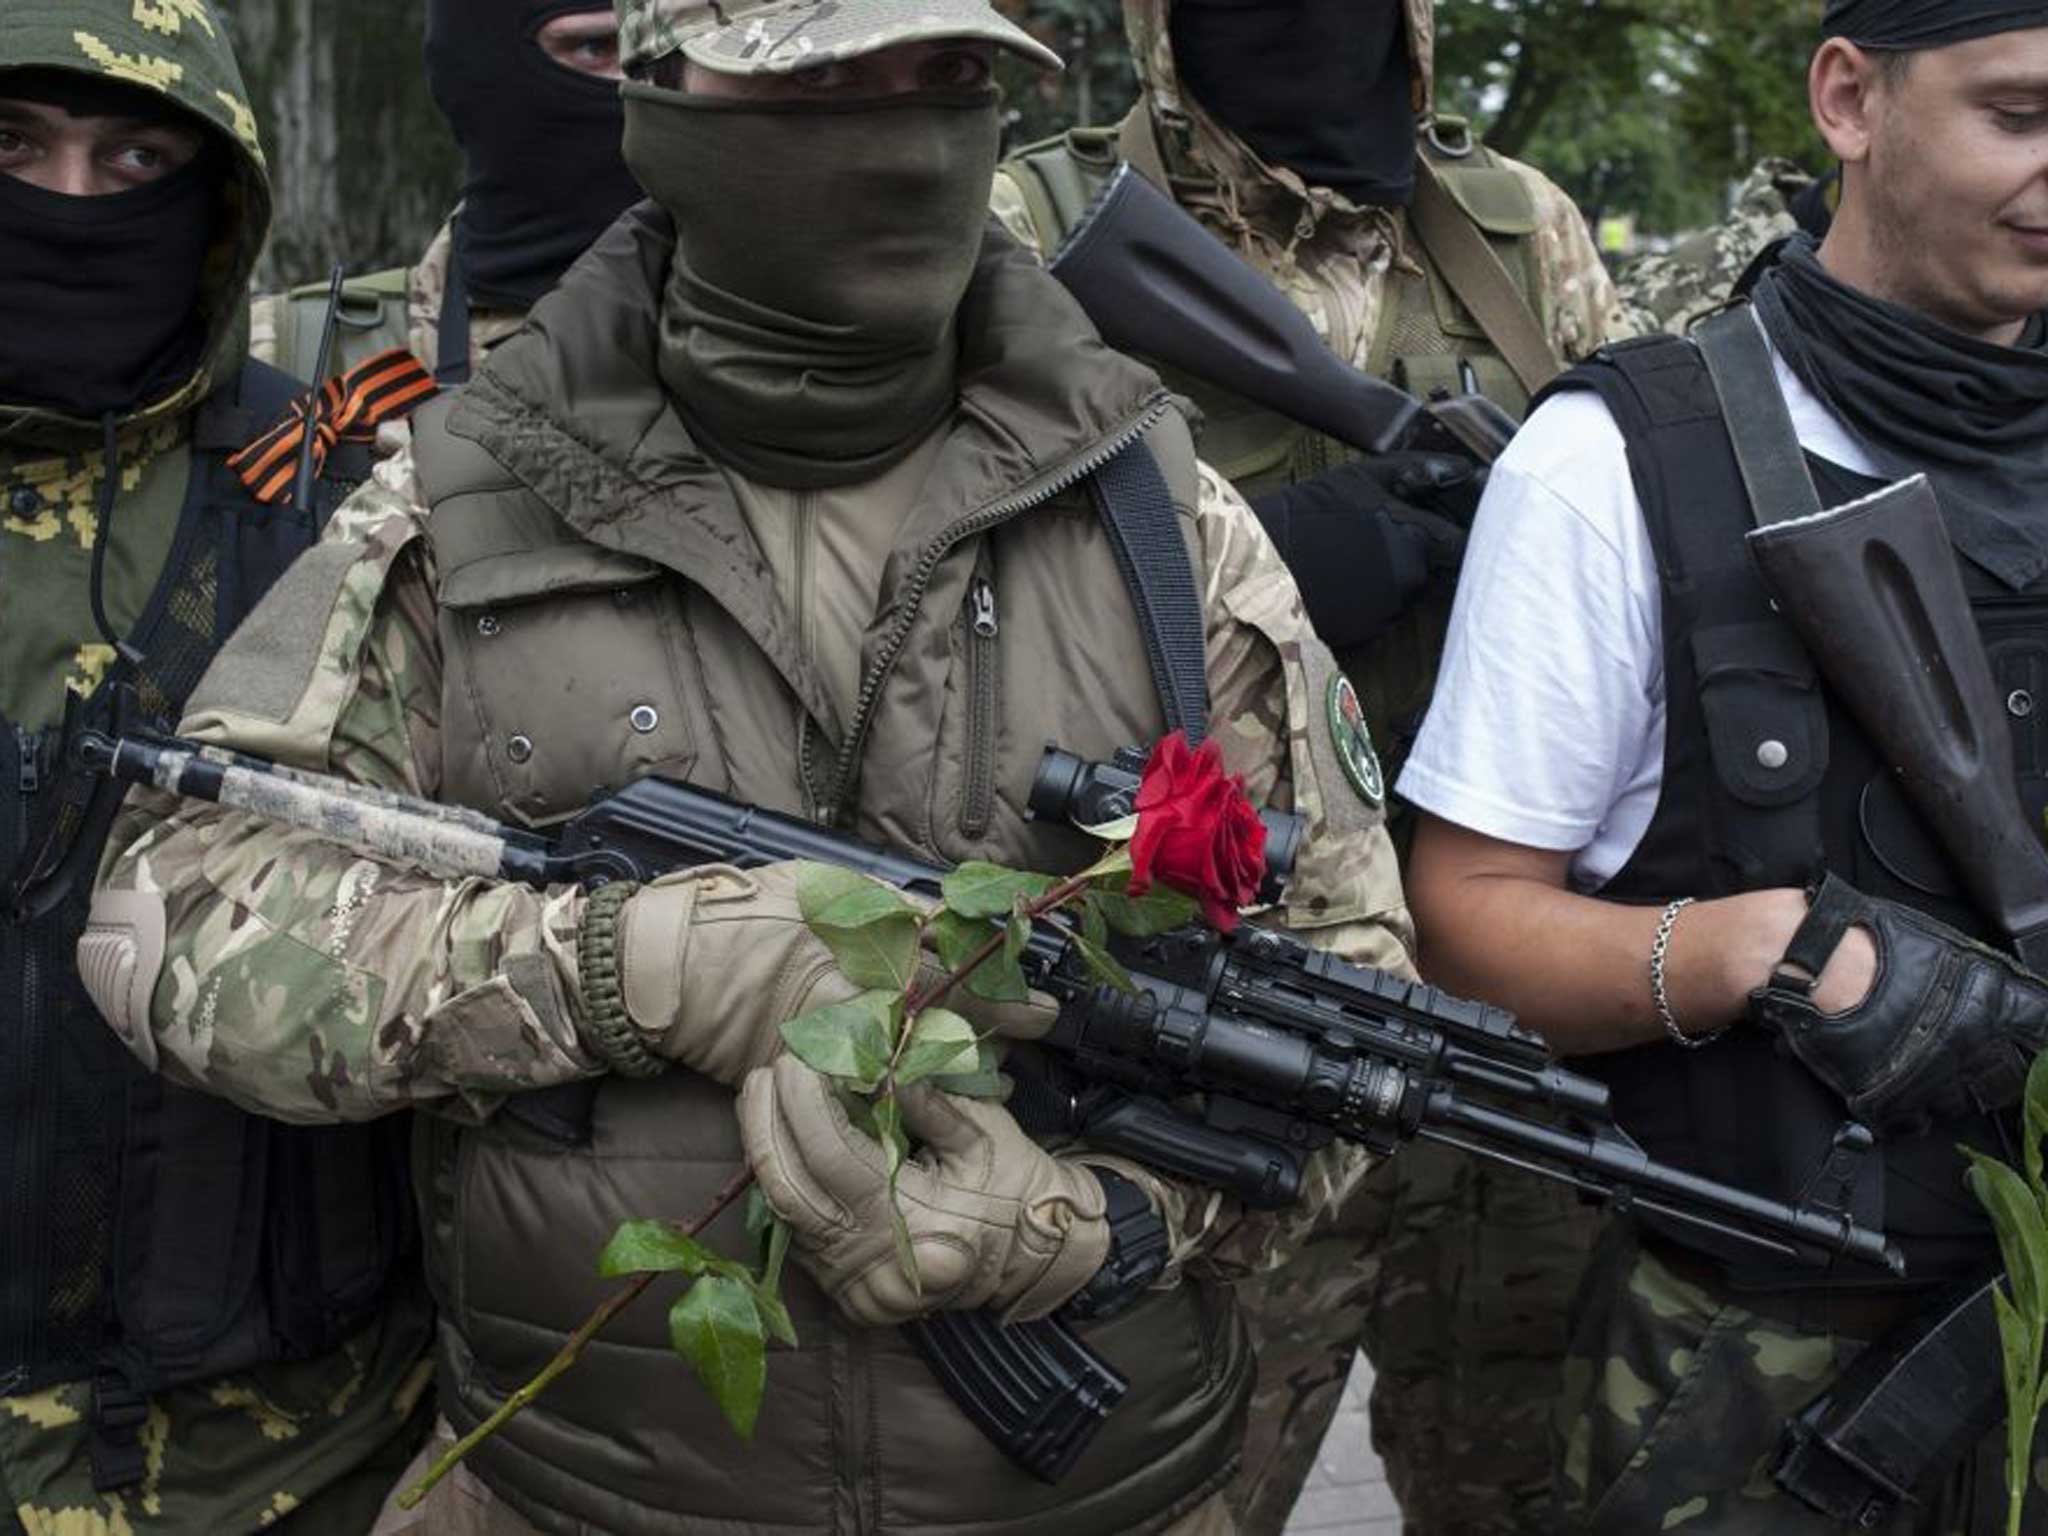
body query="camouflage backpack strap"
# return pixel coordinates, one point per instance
(1452, 206)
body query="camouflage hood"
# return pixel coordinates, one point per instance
(181, 49)
(1262, 202)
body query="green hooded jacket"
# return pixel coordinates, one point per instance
(52, 466)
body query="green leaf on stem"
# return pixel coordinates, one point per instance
(761, 1220)
(1093, 922)
(2037, 1126)
(939, 1041)
(958, 939)
(778, 1252)
(640, 1247)
(984, 1082)
(1122, 830)
(716, 1326)
(1113, 863)
(870, 928)
(888, 1116)
(850, 1042)
(2022, 1232)
(1159, 910)
(1104, 966)
(988, 890)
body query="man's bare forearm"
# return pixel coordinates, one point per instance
(1498, 922)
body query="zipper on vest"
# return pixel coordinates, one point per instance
(978, 802)
(833, 807)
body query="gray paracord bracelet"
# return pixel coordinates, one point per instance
(1660, 951)
(606, 1024)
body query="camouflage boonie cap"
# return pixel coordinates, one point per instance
(776, 37)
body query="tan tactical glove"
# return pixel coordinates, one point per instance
(994, 1219)
(703, 967)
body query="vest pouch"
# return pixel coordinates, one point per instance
(341, 1221)
(1440, 375)
(1767, 730)
(190, 1254)
(604, 630)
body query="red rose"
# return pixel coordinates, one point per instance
(1197, 832)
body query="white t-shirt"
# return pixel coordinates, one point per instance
(1547, 727)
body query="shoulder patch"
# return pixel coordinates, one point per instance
(1352, 738)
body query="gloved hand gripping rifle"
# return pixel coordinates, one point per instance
(1287, 1047)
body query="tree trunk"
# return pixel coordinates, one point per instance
(362, 166)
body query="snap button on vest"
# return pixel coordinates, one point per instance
(487, 625)
(2019, 703)
(1773, 755)
(519, 748)
(644, 719)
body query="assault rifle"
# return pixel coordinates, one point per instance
(1289, 1048)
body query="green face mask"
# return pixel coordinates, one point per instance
(821, 252)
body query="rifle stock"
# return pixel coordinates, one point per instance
(1159, 285)
(1873, 589)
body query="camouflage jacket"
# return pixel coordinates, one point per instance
(1327, 254)
(1668, 291)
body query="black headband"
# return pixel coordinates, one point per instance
(1927, 23)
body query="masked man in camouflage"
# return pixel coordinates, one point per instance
(1303, 136)
(799, 489)
(1671, 289)
(204, 1325)
(530, 91)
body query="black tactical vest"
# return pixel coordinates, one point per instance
(150, 1235)
(1768, 782)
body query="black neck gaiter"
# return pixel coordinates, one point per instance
(1971, 415)
(1321, 87)
(542, 176)
(99, 296)
(822, 249)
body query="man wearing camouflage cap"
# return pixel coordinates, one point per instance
(209, 1323)
(1304, 137)
(799, 488)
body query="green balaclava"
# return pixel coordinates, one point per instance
(822, 249)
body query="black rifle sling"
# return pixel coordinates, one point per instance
(451, 336)
(1759, 423)
(1136, 506)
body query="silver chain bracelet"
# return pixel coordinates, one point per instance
(1660, 950)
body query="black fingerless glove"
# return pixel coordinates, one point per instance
(1365, 538)
(1948, 1030)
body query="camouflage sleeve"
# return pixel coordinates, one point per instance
(1581, 304)
(1274, 694)
(1669, 290)
(1006, 201)
(266, 322)
(299, 977)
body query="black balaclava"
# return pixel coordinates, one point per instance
(1895, 24)
(540, 145)
(99, 296)
(822, 249)
(1322, 87)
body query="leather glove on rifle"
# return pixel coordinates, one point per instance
(1948, 1030)
(995, 1220)
(1365, 538)
(701, 968)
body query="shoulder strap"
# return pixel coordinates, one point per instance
(1480, 280)
(1137, 140)
(1759, 422)
(1136, 506)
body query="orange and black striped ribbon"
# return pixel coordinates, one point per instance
(352, 406)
